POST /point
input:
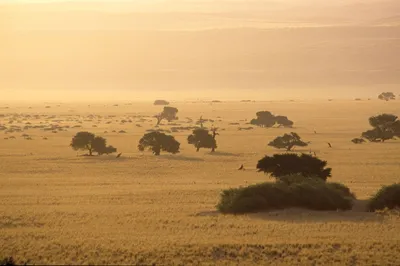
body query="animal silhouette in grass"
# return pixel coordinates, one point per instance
(157, 141)
(168, 113)
(286, 164)
(92, 143)
(288, 142)
(201, 138)
(385, 127)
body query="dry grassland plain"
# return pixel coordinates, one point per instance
(60, 208)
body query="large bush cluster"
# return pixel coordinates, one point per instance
(387, 197)
(308, 193)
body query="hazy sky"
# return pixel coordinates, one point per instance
(222, 49)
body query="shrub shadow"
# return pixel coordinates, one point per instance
(294, 215)
(308, 216)
(182, 158)
(220, 153)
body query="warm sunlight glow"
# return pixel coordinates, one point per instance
(200, 132)
(194, 49)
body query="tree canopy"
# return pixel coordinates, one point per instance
(168, 113)
(280, 165)
(267, 119)
(201, 138)
(157, 141)
(385, 127)
(387, 96)
(92, 143)
(288, 141)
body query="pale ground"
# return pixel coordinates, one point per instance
(56, 207)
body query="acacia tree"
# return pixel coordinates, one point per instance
(201, 138)
(92, 143)
(288, 141)
(387, 96)
(283, 121)
(168, 113)
(267, 119)
(264, 119)
(385, 127)
(157, 142)
(280, 165)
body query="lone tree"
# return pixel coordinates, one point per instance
(267, 119)
(385, 127)
(201, 138)
(169, 113)
(288, 141)
(280, 165)
(387, 96)
(157, 142)
(161, 102)
(88, 141)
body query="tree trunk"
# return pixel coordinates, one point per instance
(158, 120)
(213, 149)
(156, 150)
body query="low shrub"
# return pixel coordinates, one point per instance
(308, 193)
(8, 262)
(387, 197)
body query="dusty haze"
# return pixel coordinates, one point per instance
(185, 50)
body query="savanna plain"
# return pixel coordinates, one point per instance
(58, 207)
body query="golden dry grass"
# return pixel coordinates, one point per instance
(140, 209)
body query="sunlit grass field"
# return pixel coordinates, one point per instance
(60, 208)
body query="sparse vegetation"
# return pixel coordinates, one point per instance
(157, 142)
(387, 197)
(288, 142)
(280, 165)
(158, 197)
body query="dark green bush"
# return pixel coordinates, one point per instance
(343, 189)
(386, 197)
(310, 194)
(317, 195)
